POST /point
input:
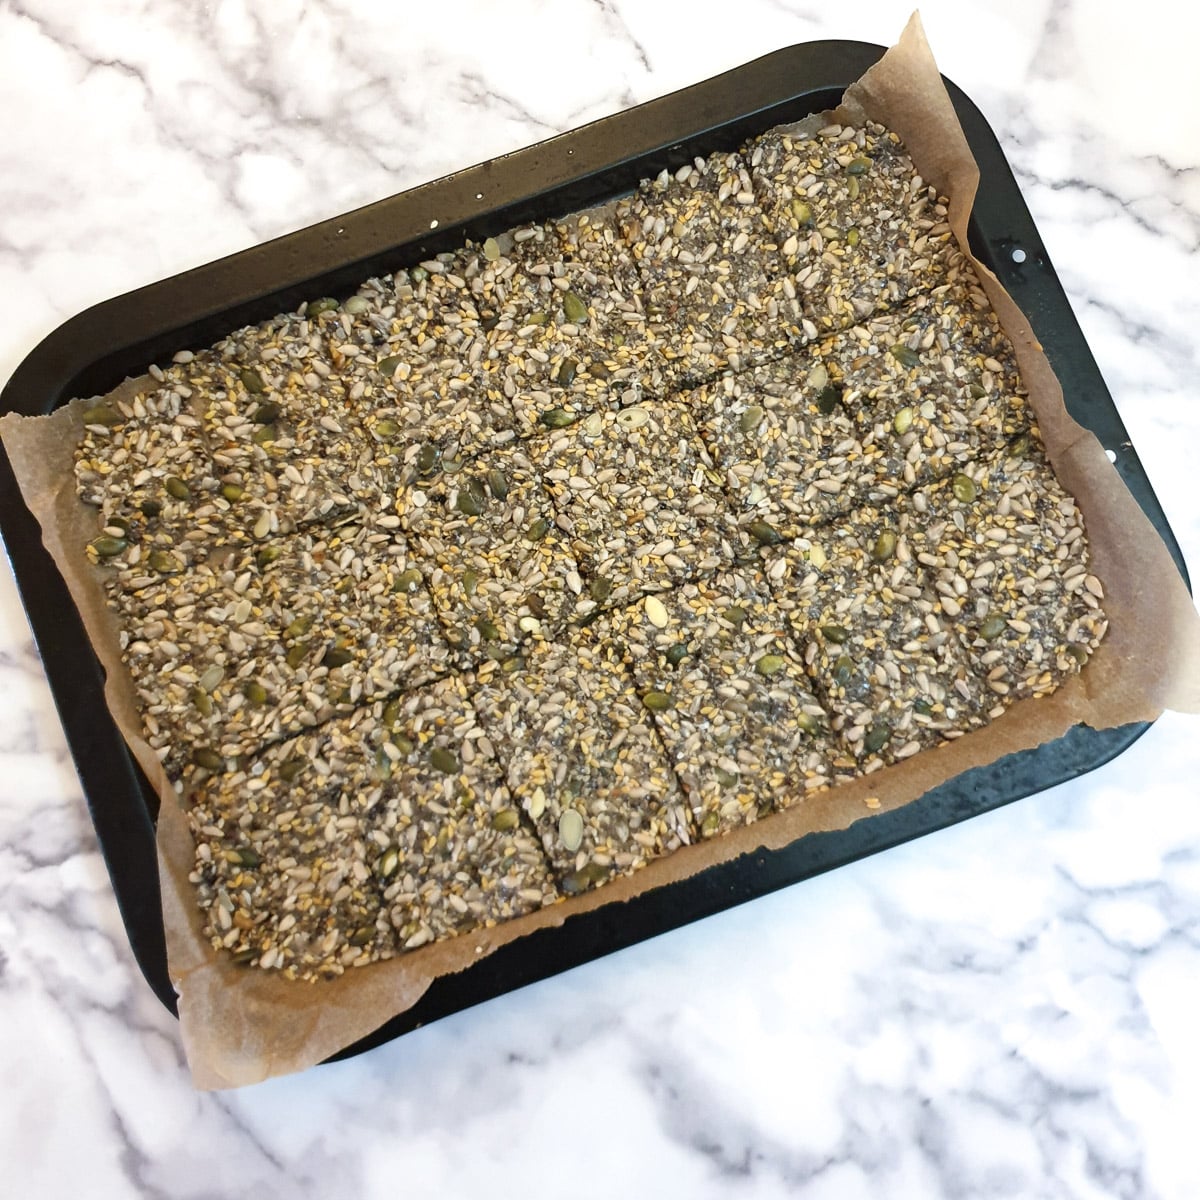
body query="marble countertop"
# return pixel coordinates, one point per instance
(1006, 1008)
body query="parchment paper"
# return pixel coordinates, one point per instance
(240, 1025)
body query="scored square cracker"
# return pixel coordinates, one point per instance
(729, 695)
(583, 759)
(710, 269)
(858, 228)
(883, 660)
(1004, 546)
(499, 568)
(636, 494)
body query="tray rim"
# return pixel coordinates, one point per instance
(89, 344)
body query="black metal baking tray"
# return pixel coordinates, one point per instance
(94, 351)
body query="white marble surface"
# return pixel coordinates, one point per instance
(1004, 1009)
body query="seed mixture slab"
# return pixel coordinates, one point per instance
(557, 551)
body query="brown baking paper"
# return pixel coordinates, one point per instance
(240, 1025)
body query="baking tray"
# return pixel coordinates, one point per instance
(93, 352)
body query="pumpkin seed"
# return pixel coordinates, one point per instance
(905, 355)
(1078, 653)
(835, 634)
(853, 237)
(677, 653)
(976, 392)
(264, 435)
(389, 861)
(102, 414)
(290, 769)
(764, 533)
(201, 702)
(108, 547)
(444, 760)
(299, 627)
(428, 458)
(993, 626)
(387, 366)
(252, 381)
(574, 309)
(964, 489)
(267, 555)
(885, 546)
(558, 418)
(390, 714)
(297, 654)
(565, 375)
(735, 614)
(266, 414)
(255, 693)
(585, 877)
(902, 421)
(210, 760)
(407, 581)
(843, 669)
(497, 483)
(769, 664)
(570, 830)
(337, 656)
(710, 825)
(470, 582)
(469, 501)
(491, 249)
(323, 305)
(505, 820)
(658, 701)
(364, 935)
(600, 589)
(151, 508)
(599, 370)
(751, 418)
(802, 211)
(1019, 447)
(923, 707)
(538, 528)
(164, 562)
(807, 723)
(877, 737)
(403, 744)
(489, 631)
(232, 492)
(176, 488)
(859, 166)
(537, 318)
